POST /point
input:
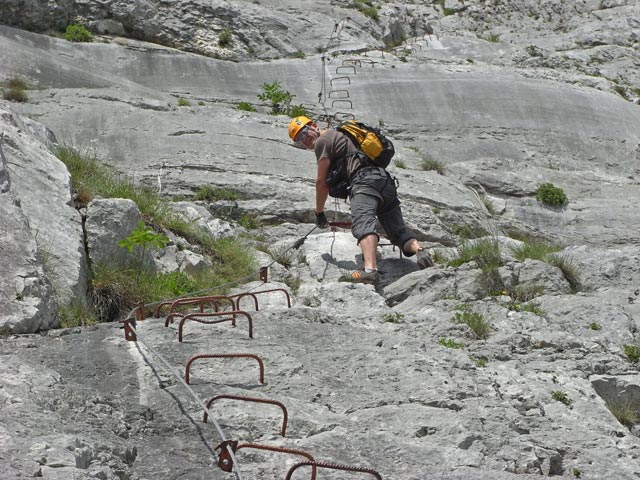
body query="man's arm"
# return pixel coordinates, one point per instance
(322, 189)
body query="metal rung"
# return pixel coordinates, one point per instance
(340, 91)
(344, 101)
(347, 67)
(340, 78)
(283, 428)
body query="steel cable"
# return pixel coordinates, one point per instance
(236, 470)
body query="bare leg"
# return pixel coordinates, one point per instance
(369, 245)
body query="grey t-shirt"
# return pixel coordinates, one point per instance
(338, 147)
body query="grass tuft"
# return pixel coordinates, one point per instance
(474, 320)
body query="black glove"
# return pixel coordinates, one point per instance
(321, 220)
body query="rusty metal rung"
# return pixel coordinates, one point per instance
(347, 67)
(254, 295)
(194, 317)
(281, 450)
(283, 429)
(223, 355)
(333, 466)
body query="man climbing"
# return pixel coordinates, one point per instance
(372, 194)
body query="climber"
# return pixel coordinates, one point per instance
(372, 194)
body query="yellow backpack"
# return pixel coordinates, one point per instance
(370, 140)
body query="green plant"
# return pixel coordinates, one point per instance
(534, 51)
(576, 473)
(399, 164)
(450, 343)
(485, 252)
(492, 38)
(250, 222)
(475, 321)
(549, 194)
(535, 251)
(467, 231)
(144, 238)
(595, 326)
(183, 102)
(367, 8)
(299, 54)
(624, 411)
(620, 90)
(15, 90)
(430, 164)
(285, 256)
(569, 270)
(230, 258)
(76, 314)
(77, 33)
(201, 103)
(480, 362)
(293, 282)
(213, 194)
(224, 38)
(488, 204)
(278, 98)
(245, 106)
(19, 296)
(298, 110)
(632, 352)
(393, 317)
(561, 397)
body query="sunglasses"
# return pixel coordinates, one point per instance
(303, 137)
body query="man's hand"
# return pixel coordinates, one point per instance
(321, 220)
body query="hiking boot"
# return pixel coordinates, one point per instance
(360, 276)
(424, 260)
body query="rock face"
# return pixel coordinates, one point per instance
(39, 221)
(526, 368)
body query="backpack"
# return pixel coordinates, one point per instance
(370, 140)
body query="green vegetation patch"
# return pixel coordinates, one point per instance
(214, 194)
(450, 343)
(549, 194)
(476, 322)
(561, 397)
(78, 33)
(14, 90)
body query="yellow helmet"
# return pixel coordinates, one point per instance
(296, 124)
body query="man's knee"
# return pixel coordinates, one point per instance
(366, 235)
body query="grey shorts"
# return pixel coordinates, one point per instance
(374, 198)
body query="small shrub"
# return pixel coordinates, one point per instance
(201, 103)
(224, 39)
(367, 8)
(278, 98)
(620, 90)
(430, 164)
(475, 321)
(450, 343)
(250, 222)
(632, 352)
(569, 270)
(535, 251)
(15, 95)
(299, 54)
(214, 194)
(526, 293)
(77, 33)
(561, 397)
(595, 326)
(467, 231)
(246, 106)
(625, 412)
(549, 194)
(293, 282)
(393, 317)
(297, 110)
(492, 38)
(480, 362)
(534, 51)
(399, 164)
(76, 315)
(183, 102)
(285, 256)
(486, 254)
